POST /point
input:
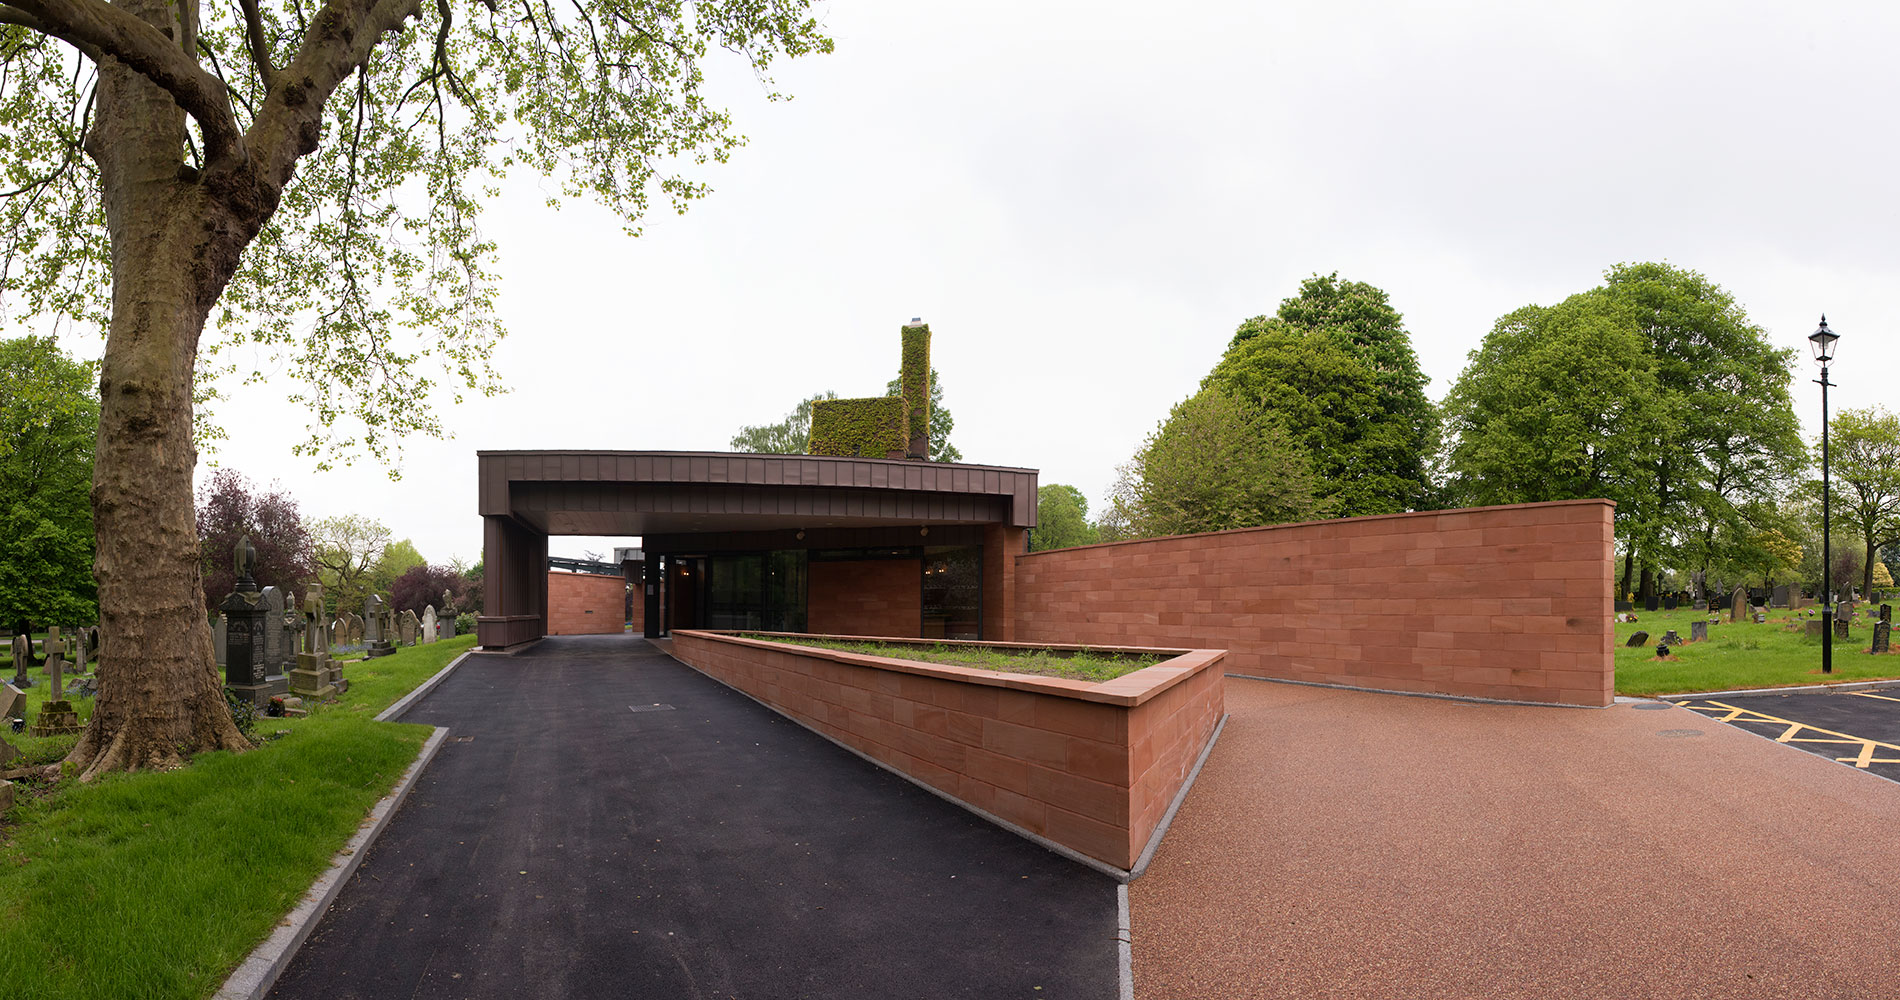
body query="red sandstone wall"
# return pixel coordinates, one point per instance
(1492, 602)
(865, 597)
(586, 604)
(1094, 776)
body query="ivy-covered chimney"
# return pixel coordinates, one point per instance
(914, 375)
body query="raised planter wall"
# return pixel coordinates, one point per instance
(1092, 767)
(1491, 602)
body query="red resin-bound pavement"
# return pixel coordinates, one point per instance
(1343, 844)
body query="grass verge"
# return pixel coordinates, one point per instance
(1079, 665)
(157, 884)
(1742, 655)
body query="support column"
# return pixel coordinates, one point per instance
(1001, 545)
(651, 588)
(514, 583)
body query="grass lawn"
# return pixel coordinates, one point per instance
(158, 884)
(1743, 655)
(1082, 665)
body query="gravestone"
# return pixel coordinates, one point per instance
(1816, 628)
(219, 633)
(1701, 605)
(12, 702)
(1761, 618)
(1662, 650)
(79, 651)
(1844, 611)
(428, 623)
(1669, 603)
(447, 615)
(1840, 628)
(247, 627)
(272, 601)
(294, 626)
(1883, 635)
(1623, 606)
(1781, 596)
(56, 717)
(1636, 640)
(1698, 631)
(316, 675)
(1738, 605)
(22, 658)
(408, 627)
(1670, 638)
(373, 635)
(358, 635)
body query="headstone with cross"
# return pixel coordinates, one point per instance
(56, 717)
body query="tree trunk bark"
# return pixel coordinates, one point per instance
(160, 696)
(1629, 567)
(1867, 572)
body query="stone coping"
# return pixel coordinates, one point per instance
(1126, 691)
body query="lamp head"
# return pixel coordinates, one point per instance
(1822, 341)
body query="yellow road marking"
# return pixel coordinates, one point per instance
(1862, 759)
(1863, 694)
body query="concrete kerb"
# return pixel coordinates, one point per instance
(1803, 689)
(404, 703)
(1125, 943)
(259, 971)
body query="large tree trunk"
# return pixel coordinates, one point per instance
(173, 248)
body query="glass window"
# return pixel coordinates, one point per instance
(953, 592)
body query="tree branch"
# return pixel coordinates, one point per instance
(339, 40)
(259, 45)
(100, 30)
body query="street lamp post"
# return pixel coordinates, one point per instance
(1823, 342)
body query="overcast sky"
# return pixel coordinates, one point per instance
(1084, 200)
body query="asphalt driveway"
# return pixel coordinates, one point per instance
(605, 822)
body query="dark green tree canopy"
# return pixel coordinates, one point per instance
(1653, 390)
(1335, 368)
(1215, 463)
(1062, 519)
(49, 412)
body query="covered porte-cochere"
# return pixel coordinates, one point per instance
(784, 543)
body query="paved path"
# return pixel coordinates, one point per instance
(1343, 844)
(563, 845)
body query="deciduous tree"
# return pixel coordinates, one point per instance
(791, 436)
(310, 174)
(347, 547)
(49, 412)
(1062, 519)
(1335, 367)
(1866, 482)
(1215, 463)
(1558, 403)
(230, 508)
(422, 586)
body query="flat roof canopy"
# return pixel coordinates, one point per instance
(675, 492)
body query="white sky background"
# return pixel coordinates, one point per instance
(1085, 199)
